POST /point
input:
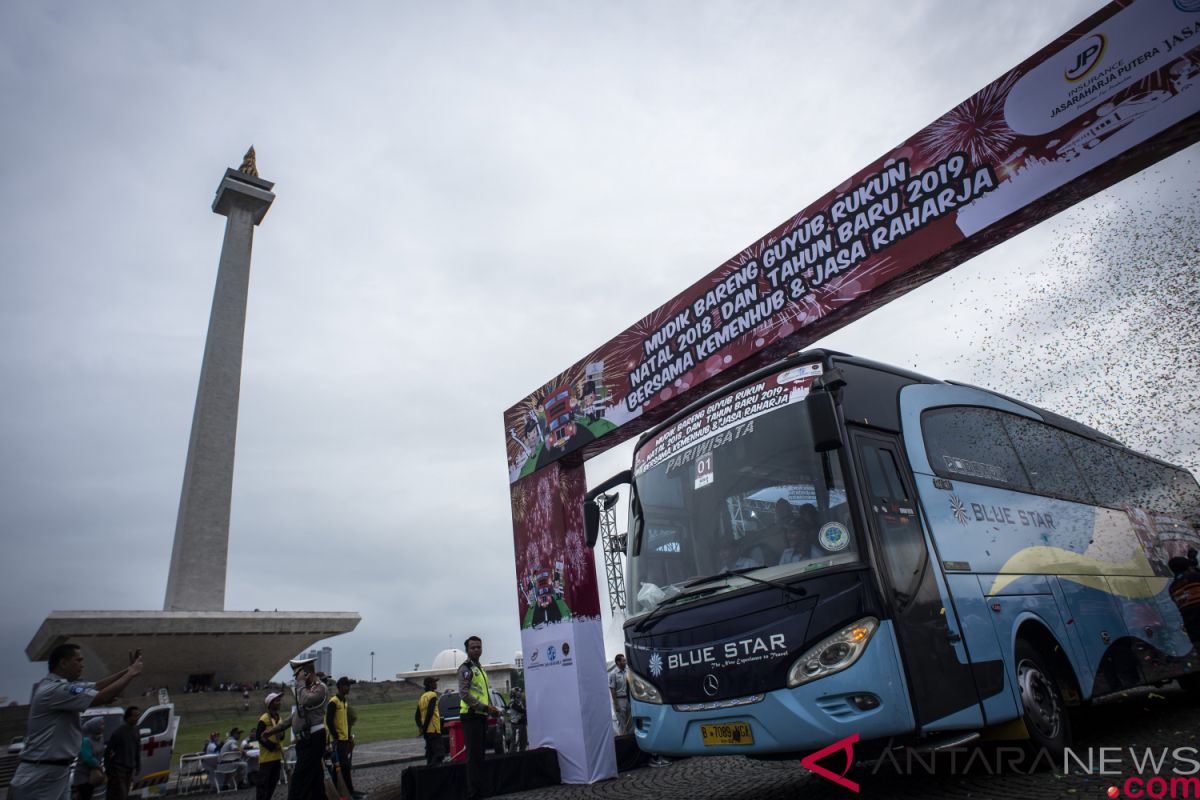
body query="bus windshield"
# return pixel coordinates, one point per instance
(737, 486)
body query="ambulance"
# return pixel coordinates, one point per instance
(158, 726)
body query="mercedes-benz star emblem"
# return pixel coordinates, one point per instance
(711, 684)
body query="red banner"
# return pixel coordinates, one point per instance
(1116, 93)
(556, 570)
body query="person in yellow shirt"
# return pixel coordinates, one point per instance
(429, 723)
(270, 748)
(337, 721)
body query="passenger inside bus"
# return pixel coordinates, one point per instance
(729, 558)
(801, 541)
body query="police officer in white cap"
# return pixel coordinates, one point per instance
(54, 734)
(308, 728)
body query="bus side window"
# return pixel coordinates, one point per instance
(1049, 465)
(970, 444)
(1187, 497)
(1098, 463)
(1151, 482)
(900, 533)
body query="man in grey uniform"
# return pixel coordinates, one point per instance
(618, 687)
(308, 727)
(54, 734)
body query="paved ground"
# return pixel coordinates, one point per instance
(376, 752)
(1156, 719)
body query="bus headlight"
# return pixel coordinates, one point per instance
(642, 689)
(833, 653)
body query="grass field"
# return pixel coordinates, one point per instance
(375, 723)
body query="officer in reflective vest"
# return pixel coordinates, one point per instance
(474, 708)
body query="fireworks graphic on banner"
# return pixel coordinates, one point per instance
(549, 534)
(628, 346)
(976, 127)
(520, 503)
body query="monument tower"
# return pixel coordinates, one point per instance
(194, 640)
(196, 581)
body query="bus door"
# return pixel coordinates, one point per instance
(940, 680)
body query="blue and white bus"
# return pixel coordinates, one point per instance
(833, 546)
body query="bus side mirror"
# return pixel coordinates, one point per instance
(822, 416)
(591, 522)
(591, 511)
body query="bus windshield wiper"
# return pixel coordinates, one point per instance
(669, 601)
(799, 591)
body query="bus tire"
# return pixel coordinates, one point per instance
(1042, 708)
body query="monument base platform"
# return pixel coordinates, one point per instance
(214, 647)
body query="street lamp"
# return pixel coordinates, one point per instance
(372, 666)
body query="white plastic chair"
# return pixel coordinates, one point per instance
(191, 773)
(229, 766)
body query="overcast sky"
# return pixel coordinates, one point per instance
(471, 196)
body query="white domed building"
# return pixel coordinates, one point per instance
(445, 669)
(448, 659)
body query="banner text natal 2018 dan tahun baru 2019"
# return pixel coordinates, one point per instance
(1118, 92)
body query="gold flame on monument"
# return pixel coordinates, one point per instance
(249, 165)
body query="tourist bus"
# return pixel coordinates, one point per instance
(833, 547)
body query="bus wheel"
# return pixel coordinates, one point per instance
(1042, 707)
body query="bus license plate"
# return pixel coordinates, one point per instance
(727, 733)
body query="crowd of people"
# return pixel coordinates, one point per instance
(245, 688)
(62, 754)
(320, 726)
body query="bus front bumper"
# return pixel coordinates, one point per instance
(807, 717)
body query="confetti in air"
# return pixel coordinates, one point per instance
(1108, 332)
